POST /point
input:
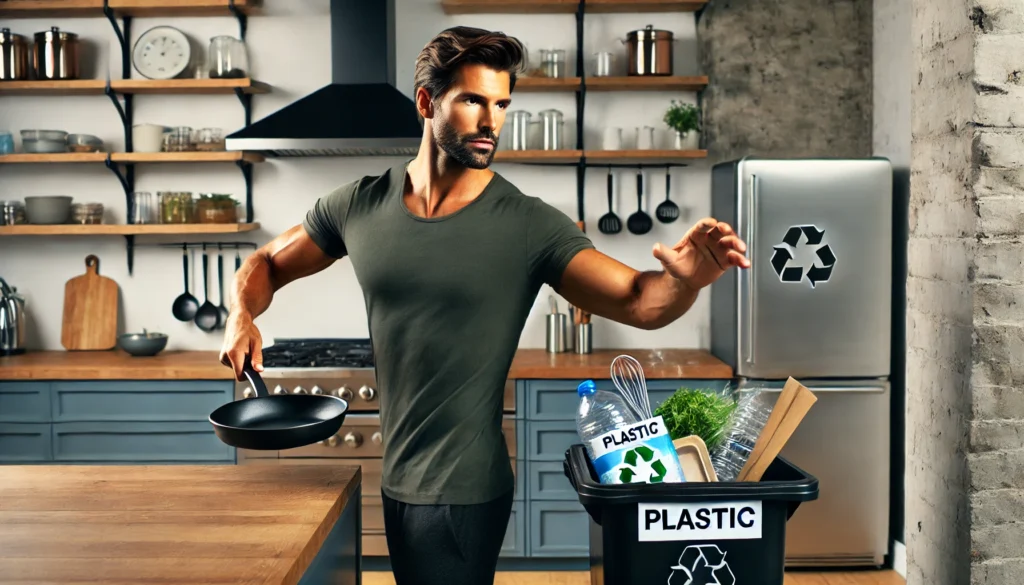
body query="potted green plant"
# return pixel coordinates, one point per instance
(684, 119)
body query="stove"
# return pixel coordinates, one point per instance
(319, 353)
(336, 366)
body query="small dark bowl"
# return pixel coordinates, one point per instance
(142, 344)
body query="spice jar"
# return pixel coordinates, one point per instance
(87, 213)
(209, 139)
(176, 207)
(227, 58)
(216, 208)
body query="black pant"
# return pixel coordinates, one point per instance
(446, 544)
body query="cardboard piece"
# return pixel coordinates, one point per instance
(695, 459)
(794, 403)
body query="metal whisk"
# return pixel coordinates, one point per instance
(628, 376)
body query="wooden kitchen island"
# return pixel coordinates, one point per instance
(77, 525)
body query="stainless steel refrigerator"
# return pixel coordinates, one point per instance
(816, 305)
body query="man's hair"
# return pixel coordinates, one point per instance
(444, 54)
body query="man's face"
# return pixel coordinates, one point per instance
(469, 117)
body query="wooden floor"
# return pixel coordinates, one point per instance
(578, 578)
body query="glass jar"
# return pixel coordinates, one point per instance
(6, 142)
(552, 62)
(179, 139)
(12, 213)
(87, 213)
(551, 129)
(227, 58)
(216, 208)
(176, 207)
(209, 140)
(518, 123)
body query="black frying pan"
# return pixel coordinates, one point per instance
(280, 421)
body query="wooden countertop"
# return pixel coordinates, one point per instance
(204, 365)
(173, 524)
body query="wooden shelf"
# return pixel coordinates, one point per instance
(628, 83)
(597, 156)
(134, 8)
(133, 157)
(134, 86)
(567, 6)
(186, 157)
(541, 156)
(126, 230)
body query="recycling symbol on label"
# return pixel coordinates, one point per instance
(821, 268)
(630, 469)
(702, 564)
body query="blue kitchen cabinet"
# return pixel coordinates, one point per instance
(112, 421)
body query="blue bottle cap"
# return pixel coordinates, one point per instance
(586, 388)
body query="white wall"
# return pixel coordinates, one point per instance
(289, 48)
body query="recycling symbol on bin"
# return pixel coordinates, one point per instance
(824, 260)
(631, 465)
(702, 564)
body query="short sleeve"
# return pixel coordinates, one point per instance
(325, 221)
(552, 240)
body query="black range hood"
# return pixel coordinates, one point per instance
(362, 112)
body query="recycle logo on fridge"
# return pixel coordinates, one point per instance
(702, 564)
(799, 236)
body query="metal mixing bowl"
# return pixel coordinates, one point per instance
(142, 344)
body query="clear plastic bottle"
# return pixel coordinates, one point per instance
(600, 411)
(752, 412)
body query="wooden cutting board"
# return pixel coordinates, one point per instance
(90, 310)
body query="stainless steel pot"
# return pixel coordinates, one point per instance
(649, 51)
(13, 56)
(55, 55)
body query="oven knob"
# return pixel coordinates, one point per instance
(316, 391)
(377, 438)
(280, 390)
(367, 393)
(353, 439)
(345, 393)
(247, 393)
(299, 390)
(331, 441)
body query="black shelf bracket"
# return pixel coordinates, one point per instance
(123, 32)
(125, 113)
(127, 179)
(246, 99)
(243, 20)
(581, 99)
(246, 168)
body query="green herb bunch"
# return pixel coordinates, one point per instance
(696, 412)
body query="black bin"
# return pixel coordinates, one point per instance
(722, 533)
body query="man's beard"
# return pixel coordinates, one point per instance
(459, 149)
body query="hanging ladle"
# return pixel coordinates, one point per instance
(208, 316)
(186, 305)
(222, 311)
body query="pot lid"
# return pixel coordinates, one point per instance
(6, 36)
(55, 33)
(649, 31)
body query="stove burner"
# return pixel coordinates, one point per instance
(319, 353)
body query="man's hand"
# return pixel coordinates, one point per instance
(704, 254)
(241, 338)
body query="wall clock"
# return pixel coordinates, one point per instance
(162, 52)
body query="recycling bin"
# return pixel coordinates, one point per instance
(718, 533)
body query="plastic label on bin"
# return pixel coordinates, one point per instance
(707, 521)
(640, 453)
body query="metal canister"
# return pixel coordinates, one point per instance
(584, 343)
(55, 55)
(558, 323)
(519, 127)
(551, 129)
(13, 56)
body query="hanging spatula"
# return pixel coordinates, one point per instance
(667, 210)
(609, 222)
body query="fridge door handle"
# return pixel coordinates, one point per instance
(828, 389)
(751, 275)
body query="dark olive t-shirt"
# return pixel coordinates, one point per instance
(446, 299)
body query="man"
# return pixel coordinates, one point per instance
(450, 257)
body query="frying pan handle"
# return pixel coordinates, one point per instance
(258, 386)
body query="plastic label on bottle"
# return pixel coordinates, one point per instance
(638, 453)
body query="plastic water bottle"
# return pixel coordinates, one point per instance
(600, 411)
(732, 453)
